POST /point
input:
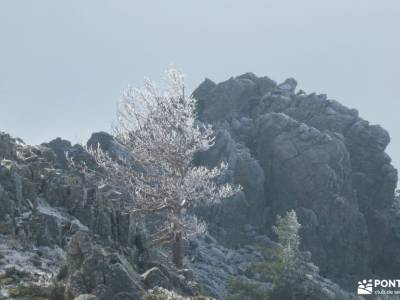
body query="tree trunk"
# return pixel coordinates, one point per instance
(177, 250)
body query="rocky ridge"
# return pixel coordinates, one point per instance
(63, 236)
(66, 237)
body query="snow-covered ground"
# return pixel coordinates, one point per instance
(26, 266)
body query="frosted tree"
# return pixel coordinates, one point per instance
(282, 265)
(161, 133)
(287, 230)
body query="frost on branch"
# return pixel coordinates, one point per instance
(160, 131)
(287, 230)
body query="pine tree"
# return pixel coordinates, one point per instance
(287, 231)
(160, 131)
(280, 265)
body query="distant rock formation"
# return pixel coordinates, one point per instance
(306, 152)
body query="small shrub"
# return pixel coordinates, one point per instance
(280, 264)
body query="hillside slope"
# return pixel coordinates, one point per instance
(63, 235)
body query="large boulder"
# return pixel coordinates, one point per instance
(94, 270)
(64, 150)
(309, 169)
(108, 144)
(8, 146)
(314, 155)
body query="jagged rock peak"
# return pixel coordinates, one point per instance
(316, 156)
(289, 84)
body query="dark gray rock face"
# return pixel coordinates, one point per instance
(308, 153)
(46, 205)
(108, 144)
(94, 270)
(65, 235)
(8, 146)
(247, 171)
(61, 148)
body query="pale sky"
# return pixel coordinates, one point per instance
(63, 64)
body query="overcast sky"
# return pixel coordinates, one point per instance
(63, 64)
